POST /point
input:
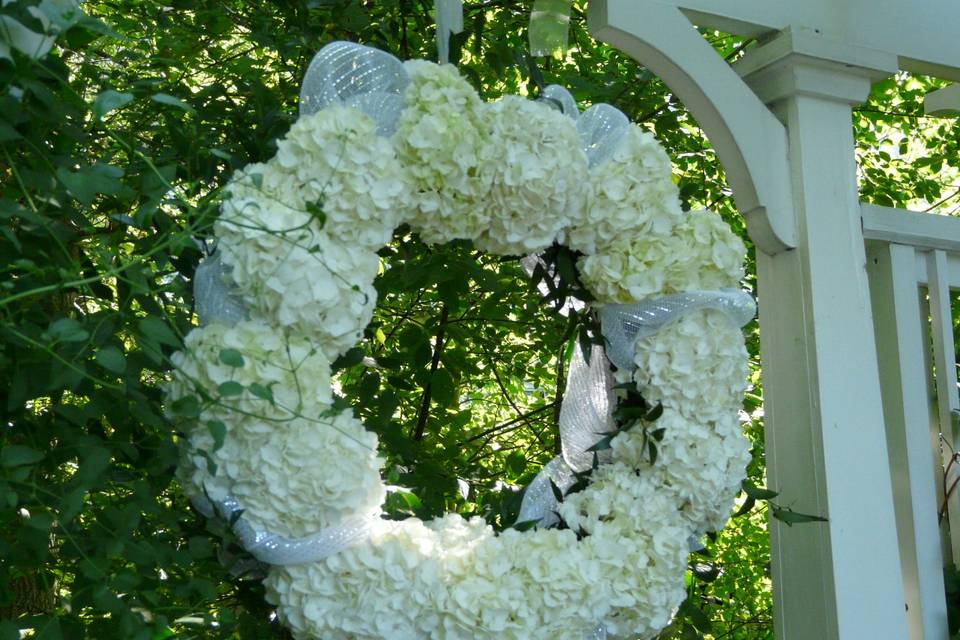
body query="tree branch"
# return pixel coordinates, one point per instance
(424, 411)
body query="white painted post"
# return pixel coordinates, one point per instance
(826, 446)
(903, 347)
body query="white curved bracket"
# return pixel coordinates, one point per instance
(750, 142)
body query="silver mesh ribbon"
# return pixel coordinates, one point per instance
(586, 414)
(353, 75)
(278, 550)
(588, 402)
(623, 324)
(215, 300)
(601, 127)
(561, 99)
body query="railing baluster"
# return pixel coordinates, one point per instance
(948, 402)
(903, 340)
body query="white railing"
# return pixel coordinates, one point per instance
(913, 263)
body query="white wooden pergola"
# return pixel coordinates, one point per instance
(854, 300)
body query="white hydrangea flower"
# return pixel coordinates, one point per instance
(309, 475)
(539, 174)
(627, 269)
(302, 279)
(631, 195)
(710, 255)
(272, 360)
(416, 580)
(293, 467)
(348, 172)
(443, 140)
(696, 365)
(701, 254)
(700, 464)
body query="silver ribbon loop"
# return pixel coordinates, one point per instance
(215, 300)
(282, 551)
(588, 402)
(602, 128)
(350, 74)
(586, 414)
(562, 99)
(623, 324)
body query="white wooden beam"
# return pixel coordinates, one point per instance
(923, 230)
(921, 33)
(943, 102)
(945, 364)
(749, 141)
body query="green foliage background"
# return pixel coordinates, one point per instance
(114, 144)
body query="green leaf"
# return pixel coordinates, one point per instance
(109, 100)
(111, 359)
(16, 455)
(351, 358)
(155, 328)
(230, 389)
(746, 507)
(262, 392)
(654, 413)
(410, 499)
(87, 182)
(442, 388)
(526, 525)
(231, 357)
(557, 493)
(791, 517)
(68, 330)
(28, 42)
(218, 431)
(516, 463)
(173, 101)
(9, 631)
(756, 492)
(186, 407)
(603, 443)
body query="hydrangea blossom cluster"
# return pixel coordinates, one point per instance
(320, 208)
(442, 140)
(544, 584)
(266, 438)
(299, 235)
(701, 253)
(629, 196)
(539, 177)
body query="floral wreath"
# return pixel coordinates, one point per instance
(290, 288)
